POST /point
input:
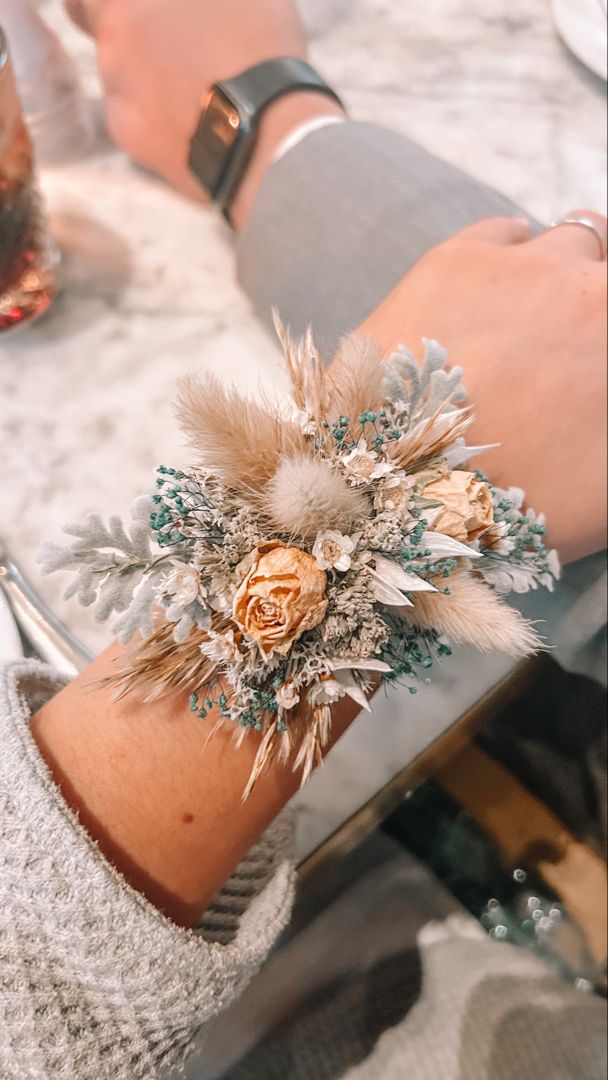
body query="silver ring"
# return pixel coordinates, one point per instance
(586, 223)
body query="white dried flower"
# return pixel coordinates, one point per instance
(183, 583)
(287, 696)
(497, 539)
(394, 494)
(303, 419)
(221, 648)
(333, 550)
(220, 597)
(325, 692)
(183, 586)
(362, 464)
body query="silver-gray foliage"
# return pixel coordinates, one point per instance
(110, 563)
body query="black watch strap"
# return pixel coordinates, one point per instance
(252, 92)
(263, 83)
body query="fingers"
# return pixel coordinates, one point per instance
(503, 231)
(84, 13)
(585, 239)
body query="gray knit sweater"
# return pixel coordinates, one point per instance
(95, 984)
(94, 981)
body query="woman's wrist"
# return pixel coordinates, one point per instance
(160, 789)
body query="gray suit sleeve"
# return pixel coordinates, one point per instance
(342, 216)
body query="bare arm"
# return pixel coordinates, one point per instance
(158, 791)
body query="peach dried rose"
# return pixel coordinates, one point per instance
(281, 596)
(467, 508)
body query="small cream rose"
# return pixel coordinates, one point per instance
(466, 509)
(281, 596)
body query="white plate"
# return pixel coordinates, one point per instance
(583, 26)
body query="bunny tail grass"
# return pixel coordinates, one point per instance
(474, 615)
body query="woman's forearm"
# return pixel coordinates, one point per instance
(159, 789)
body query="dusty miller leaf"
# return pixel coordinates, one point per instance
(423, 387)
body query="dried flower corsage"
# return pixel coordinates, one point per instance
(304, 555)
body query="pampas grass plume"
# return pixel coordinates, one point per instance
(238, 439)
(355, 378)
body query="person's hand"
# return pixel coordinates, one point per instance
(527, 320)
(157, 60)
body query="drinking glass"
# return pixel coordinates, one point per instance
(28, 257)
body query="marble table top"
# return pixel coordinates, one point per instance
(149, 295)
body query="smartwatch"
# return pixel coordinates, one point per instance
(225, 134)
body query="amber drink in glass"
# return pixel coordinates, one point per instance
(28, 257)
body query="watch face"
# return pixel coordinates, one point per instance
(213, 140)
